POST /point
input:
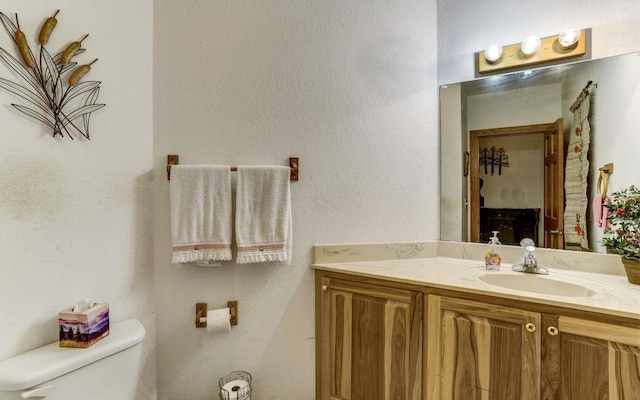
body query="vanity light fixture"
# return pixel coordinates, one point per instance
(533, 50)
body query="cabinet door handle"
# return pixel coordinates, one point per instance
(552, 330)
(530, 327)
(325, 288)
(556, 232)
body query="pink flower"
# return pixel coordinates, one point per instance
(621, 211)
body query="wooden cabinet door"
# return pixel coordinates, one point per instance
(589, 360)
(370, 342)
(478, 351)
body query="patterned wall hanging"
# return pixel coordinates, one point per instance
(576, 172)
(49, 85)
(494, 158)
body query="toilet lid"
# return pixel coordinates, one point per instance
(43, 364)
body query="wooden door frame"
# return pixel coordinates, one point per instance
(474, 171)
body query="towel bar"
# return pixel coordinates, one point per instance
(174, 159)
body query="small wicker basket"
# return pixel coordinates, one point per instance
(235, 385)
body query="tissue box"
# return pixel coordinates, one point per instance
(84, 328)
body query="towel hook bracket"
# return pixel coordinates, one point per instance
(293, 164)
(172, 159)
(607, 168)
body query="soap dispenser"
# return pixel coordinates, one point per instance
(492, 259)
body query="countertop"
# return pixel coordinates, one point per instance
(420, 264)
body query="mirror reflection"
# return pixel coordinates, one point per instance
(522, 153)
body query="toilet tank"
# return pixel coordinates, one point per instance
(108, 370)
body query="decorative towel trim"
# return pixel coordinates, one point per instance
(263, 252)
(203, 246)
(201, 252)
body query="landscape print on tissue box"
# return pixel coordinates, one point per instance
(82, 329)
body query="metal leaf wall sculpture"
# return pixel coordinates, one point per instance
(50, 85)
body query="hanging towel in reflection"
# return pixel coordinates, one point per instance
(600, 210)
(201, 213)
(263, 214)
(598, 206)
(604, 222)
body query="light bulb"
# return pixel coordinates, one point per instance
(569, 37)
(530, 45)
(493, 52)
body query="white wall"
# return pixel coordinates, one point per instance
(76, 214)
(350, 88)
(524, 106)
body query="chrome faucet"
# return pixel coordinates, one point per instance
(530, 264)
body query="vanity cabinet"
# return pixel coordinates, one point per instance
(385, 340)
(370, 341)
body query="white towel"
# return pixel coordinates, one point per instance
(201, 213)
(263, 214)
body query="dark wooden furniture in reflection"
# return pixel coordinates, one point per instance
(512, 224)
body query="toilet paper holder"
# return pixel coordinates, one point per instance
(201, 313)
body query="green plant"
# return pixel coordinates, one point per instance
(62, 103)
(623, 234)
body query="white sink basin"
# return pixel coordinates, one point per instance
(541, 284)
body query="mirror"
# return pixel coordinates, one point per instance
(509, 170)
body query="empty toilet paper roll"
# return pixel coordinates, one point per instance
(218, 320)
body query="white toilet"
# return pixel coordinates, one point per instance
(108, 370)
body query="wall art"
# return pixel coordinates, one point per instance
(50, 86)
